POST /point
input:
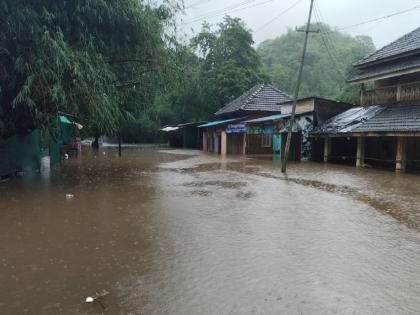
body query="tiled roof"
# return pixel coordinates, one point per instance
(261, 97)
(385, 68)
(395, 118)
(405, 44)
(377, 118)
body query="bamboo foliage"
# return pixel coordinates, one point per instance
(80, 57)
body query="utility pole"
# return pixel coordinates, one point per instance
(297, 87)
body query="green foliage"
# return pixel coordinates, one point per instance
(325, 71)
(217, 66)
(80, 57)
(229, 64)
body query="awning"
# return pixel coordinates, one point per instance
(65, 120)
(268, 118)
(218, 122)
(168, 129)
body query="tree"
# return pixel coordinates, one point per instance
(98, 60)
(327, 65)
(229, 64)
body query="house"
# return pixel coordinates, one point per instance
(228, 134)
(186, 136)
(268, 134)
(385, 130)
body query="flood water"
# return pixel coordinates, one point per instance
(178, 232)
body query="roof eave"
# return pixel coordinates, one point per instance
(384, 76)
(362, 65)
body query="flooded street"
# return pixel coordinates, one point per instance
(180, 232)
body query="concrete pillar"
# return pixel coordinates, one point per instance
(401, 154)
(244, 143)
(360, 156)
(224, 144)
(216, 143)
(327, 149)
(205, 141)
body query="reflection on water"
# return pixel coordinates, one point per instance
(169, 233)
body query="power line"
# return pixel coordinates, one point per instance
(230, 11)
(337, 67)
(328, 43)
(380, 18)
(278, 16)
(221, 11)
(196, 4)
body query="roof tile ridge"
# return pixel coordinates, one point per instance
(280, 91)
(251, 96)
(361, 61)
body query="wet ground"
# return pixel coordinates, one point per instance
(180, 232)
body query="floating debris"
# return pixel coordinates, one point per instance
(96, 298)
(69, 196)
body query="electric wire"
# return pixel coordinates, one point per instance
(333, 56)
(220, 11)
(380, 18)
(278, 16)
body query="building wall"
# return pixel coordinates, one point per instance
(234, 143)
(302, 106)
(254, 145)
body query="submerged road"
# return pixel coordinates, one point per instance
(179, 232)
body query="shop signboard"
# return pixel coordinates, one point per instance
(236, 128)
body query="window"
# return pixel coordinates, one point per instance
(266, 141)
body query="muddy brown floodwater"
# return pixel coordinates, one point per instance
(180, 232)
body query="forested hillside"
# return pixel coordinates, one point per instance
(328, 61)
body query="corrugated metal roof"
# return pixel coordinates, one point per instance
(261, 97)
(349, 120)
(218, 122)
(377, 118)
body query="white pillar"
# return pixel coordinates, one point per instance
(360, 157)
(401, 154)
(327, 149)
(223, 149)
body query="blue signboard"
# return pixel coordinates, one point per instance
(236, 128)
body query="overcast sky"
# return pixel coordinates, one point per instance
(338, 13)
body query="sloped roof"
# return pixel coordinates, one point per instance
(348, 120)
(405, 44)
(395, 118)
(386, 69)
(265, 98)
(377, 118)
